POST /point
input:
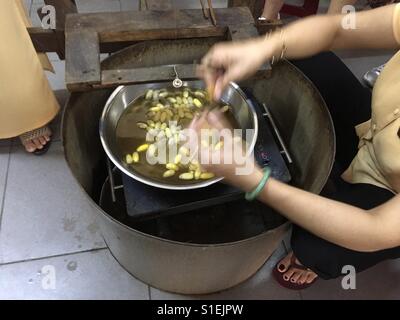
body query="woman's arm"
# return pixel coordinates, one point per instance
(342, 224)
(374, 29)
(337, 222)
(304, 38)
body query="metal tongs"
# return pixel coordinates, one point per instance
(209, 12)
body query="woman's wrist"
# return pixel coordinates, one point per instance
(272, 46)
(249, 182)
(254, 194)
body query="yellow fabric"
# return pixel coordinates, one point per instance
(26, 99)
(378, 158)
(44, 60)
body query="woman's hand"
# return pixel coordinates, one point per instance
(236, 60)
(230, 159)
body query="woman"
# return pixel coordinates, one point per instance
(273, 7)
(358, 224)
(27, 103)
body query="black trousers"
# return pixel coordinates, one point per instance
(349, 104)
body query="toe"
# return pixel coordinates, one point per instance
(30, 147)
(43, 141)
(284, 263)
(296, 276)
(311, 277)
(288, 274)
(303, 278)
(37, 143)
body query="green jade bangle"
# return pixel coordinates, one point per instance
(250, 196)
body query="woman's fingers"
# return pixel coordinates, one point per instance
(193, 132)
(214, 64)
(217, 120)
(198, 122)
(234, 72)
(207, 75)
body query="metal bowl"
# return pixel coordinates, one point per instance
(242, 109)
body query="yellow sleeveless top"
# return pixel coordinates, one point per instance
(378, 158)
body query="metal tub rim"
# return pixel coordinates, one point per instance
(329, 118)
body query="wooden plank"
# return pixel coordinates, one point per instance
(242, 32)
(255, 6)
(112, 78)
(82, 60)
(62, 8)
(44, 40)
(151, 25)
(86, 33)
(159, 5)
(146, 75)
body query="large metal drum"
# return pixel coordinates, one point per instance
(213, 264)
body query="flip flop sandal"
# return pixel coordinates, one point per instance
(288, 284)
(34, 134)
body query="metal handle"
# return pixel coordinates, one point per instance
(285, 150)
(177, 83)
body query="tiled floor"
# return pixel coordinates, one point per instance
(47, 231)
(74, 278)
(259, 287)
(44, 212)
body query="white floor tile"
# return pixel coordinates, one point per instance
(89, 275)
(261, 286)
(45, 212)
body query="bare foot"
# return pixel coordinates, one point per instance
(36, 141)
(271, 10)
(294, 274)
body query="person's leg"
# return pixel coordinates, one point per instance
(349, 104)
(271, 9)
(348, 101)
(327, 259)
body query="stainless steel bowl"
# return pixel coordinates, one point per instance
(123, 96)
